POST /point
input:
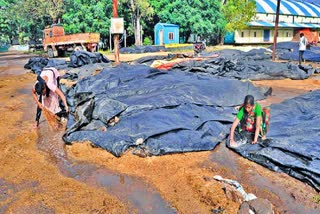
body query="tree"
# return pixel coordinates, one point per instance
(54, 8)
(22, 18)
(202, 17)
(238, 13)
(138, 9)
(32, 17)
(87, 16)
(8, 25)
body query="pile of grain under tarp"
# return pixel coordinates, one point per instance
(293, 140)
(290, 51)
(160, 112)
(253, 65)
(36, 64)
(77, 59)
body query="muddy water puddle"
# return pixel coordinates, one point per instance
(286, 193)
(132, 191)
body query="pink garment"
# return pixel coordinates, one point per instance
(51, 102)
(52, 74)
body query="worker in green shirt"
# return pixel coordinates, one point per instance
(252, 118)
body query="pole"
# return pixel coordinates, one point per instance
(125, 38)
(116, 36)
(276, 31)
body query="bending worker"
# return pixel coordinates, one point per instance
(47, 87)
(251, 120)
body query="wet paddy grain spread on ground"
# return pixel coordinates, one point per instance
(39, 174)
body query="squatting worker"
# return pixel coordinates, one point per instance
(302, 47)
(252, 118)
(47, 88)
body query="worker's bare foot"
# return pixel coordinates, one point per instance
(263, 137)
(35, 125)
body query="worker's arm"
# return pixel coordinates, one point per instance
(233, 128)
(35, 97)
(256, 133)
(63, 98)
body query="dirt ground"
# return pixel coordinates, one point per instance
(39, 174)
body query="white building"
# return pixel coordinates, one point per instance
(295, 17)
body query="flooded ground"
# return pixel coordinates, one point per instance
(39, 174)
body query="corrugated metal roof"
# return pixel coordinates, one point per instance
(282, 25)
(288, 7)
(166, 24)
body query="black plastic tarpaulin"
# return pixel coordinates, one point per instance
(293, 140)
(160, 112)
(80, 58)
(253, 65)
(36, 64)
(290, 51)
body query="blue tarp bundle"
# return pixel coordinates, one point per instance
(160, 112)
(293, 140)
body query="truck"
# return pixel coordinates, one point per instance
(56, 42)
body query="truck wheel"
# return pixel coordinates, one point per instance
(61, 53)
(50, 53)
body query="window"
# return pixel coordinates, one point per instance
(242, 34)
(288, 34)
(170, 36)
(254, 34)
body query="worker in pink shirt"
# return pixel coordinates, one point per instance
(47, 87)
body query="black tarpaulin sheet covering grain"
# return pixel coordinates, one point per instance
(80, 58)
(293, 140)
(75, 74)
(160, 112)
(253, 65)
(142, 49)
(36, 64)
(290, 51)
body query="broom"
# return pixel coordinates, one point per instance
(52, 119)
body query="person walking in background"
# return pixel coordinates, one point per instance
(302, 47)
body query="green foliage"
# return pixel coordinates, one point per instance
(238, 13)
(202, 17)
(7, 24)
(147, 41)
(87, 16)
(138, 9)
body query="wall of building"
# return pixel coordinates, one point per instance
(171, 30)
(256, 35)
(167, 30)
